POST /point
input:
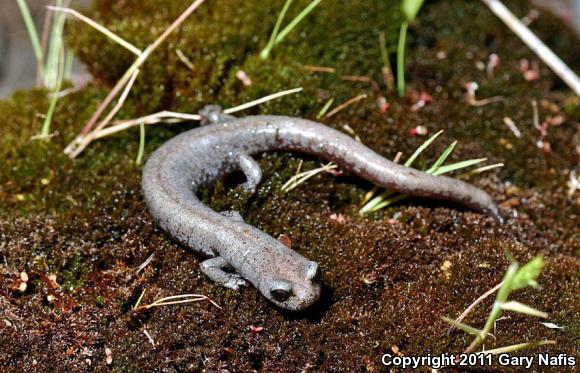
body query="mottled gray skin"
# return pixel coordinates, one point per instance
(199, 157)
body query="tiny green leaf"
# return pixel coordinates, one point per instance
(522, 308)
(528, 273)
(410, 8)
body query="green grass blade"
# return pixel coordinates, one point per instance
(457, 166)
(442, 158)
(421, 148)
(465, 328)
(324, 108)
(371, 205)
(377, 202)
(32, 33)
(68, 65)
(401, 59)
(523, 308)
(410, 8)
(268, 48)
(386, 61)
(55, 96)
(141, 151)
(387, 202)
(479, 170)
(297, 20)
(528, 273)
(56, 45)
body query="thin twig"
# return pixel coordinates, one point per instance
(345, 104)
(477, 301)
(535, 44)
(86, 140)
(102, 107)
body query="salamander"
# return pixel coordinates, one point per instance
(237, 252)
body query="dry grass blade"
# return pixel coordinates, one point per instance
(178, 299)
(262, 100)
(319, 69)
(345, 104)
(301, 177)
(86, 140)
(70, 149)
(119, 40)
(145, 263)
(174, 117)
(149, 337)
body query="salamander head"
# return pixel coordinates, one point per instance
(294, 291)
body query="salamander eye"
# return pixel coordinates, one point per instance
(280, 290)
(279, 294)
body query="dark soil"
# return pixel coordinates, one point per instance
(388, 278)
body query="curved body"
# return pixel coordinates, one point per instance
(200, 156)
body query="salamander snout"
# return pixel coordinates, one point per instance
(296, 292)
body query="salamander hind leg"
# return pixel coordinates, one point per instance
(251, 170)
(214, 268)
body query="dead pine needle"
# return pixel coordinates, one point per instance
(177, 299)
(345, 104)
(149, 337)
(319, 69)
(174, 117)
(183, 58)
(139, 299)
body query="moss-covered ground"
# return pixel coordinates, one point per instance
(386, 284)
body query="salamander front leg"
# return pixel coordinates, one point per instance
(252, 170)
(214, 268)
